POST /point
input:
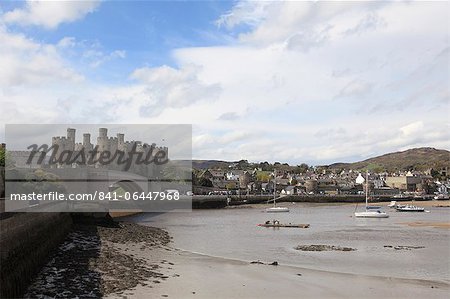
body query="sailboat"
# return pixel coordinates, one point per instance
(276, 209)
(410, 208)
(368, 213)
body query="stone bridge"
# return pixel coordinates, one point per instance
(102, 185)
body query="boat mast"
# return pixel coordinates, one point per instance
(367, 187)
(274, 186)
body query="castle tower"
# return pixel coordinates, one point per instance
(102, 140)
(87, 142)
(86, 139)
(71, 134)
(121, 142)
(70, 145)
(120, 138)
(103, 132)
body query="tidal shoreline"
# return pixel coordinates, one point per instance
(195, 275)
(124, 259)
(94, 261)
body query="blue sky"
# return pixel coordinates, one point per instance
(146, 30)
(314, 82)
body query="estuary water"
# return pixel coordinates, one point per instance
(424, 252)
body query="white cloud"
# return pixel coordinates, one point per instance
(249, 12)
(50, 14)
(25, 61)
(412, 128)
(96, 57)
(66, 42)
(229, 116)
(387, 61)
(355, 88)
(88, 52)
(277, 85)
(167, 87)
(304, 24)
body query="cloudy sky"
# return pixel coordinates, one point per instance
(313, 82)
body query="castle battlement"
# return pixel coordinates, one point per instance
(60, 138)
(104, 143)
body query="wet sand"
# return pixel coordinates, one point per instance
(426, 204)
(445, 225)
(134, 261)
(94, 261)
(194, 275)
(391, 260)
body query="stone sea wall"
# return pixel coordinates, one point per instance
(26, 240)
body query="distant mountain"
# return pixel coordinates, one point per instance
(208, 164)
(413, 159)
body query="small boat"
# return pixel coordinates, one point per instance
(284, 225)
(401, 196)
(441, 197)
(370, 211)
(393, 204)
(276, 209)
(410, 208)
(371, 214)
(373, 207)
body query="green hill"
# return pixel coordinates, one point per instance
(413, 159)
(420, 159)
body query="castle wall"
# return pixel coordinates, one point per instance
(105, 143)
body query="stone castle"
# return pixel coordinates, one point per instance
(104, 143)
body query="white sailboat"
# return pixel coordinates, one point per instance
(276, 209)
(368, 213)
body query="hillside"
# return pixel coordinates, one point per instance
(413, 159)
(205, 164)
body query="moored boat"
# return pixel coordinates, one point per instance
(370, 211)
(393, 204)
(371, 214)
(277, 209)
(373, 207)
(401, 196)
(441, 197)
(410, 208)
(285, 225)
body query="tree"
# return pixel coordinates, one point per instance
(243, 164)
(262, 176)
(376, 168)
(302, 168)
(204, 182)
(2, 157)
(230, 186)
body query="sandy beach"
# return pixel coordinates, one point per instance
(136, 260)
(133, 261)
(193, 275)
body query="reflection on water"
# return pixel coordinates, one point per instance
(233, 233)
